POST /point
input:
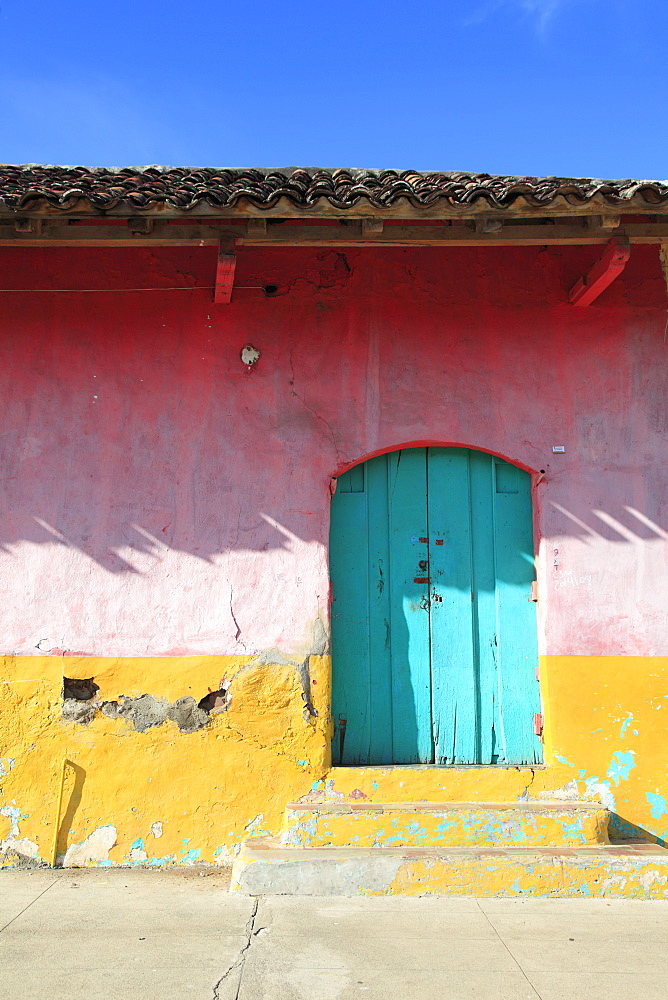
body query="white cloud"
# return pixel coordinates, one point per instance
(539, 12)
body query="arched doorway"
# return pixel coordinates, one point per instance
(433, 626)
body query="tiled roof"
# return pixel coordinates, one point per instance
(23, 188)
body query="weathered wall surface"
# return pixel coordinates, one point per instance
(166, 509)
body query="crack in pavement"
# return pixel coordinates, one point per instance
(240, 960)
(517, 963)
(31, 903)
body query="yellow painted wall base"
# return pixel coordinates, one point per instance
(159, 796)
(164, 796)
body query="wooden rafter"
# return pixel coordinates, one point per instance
(224, 280)
(609, 266)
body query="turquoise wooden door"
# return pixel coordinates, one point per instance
(433, 627)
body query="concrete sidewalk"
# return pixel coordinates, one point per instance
(139, 934)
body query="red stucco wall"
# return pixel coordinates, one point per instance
(160, 498)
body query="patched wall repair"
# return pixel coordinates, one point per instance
(81, 703)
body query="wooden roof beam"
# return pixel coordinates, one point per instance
(226, 266)
(138, 232)
(467, 234)
(155, 233)
(610, 265)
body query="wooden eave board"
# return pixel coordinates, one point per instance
(323, 209)
(164, 233)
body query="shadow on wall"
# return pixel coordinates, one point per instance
(620, 830)
(131, 427)
(626, 525)
(73, 802)
(119, 534)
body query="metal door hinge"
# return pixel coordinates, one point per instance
(534, 591)
(538, 723)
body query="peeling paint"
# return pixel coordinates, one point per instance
(13, 814)
(191, 856)
(249, 759)
(568, 791)
(8, 767)
(254, 827)
(658, 804)
(464, 874)
(625, 725)
(19, 845)
(595, 789)
(94, 849)
(622, 763)
(529, 824)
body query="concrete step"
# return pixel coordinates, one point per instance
(265, 867)
(444, 824)
(431, 783)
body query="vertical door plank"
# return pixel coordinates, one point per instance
(452, 659)
(489, 738)
(348, 554)
(411, 680)
(379, 598)
(518, 653)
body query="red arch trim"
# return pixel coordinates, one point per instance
(430, 443)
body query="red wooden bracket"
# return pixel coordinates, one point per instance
(602, 274)
(225, 268)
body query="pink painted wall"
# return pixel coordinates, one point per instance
(159, 498)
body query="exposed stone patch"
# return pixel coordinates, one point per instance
(82, 712)
(273, 656)
(144, 712)
(319, 647)
(81, 703)
(320, 639)
(304, 671)
(187, 714)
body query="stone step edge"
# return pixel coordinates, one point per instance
(268, 848)
(528, 806)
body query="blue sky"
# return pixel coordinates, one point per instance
(570, 87)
